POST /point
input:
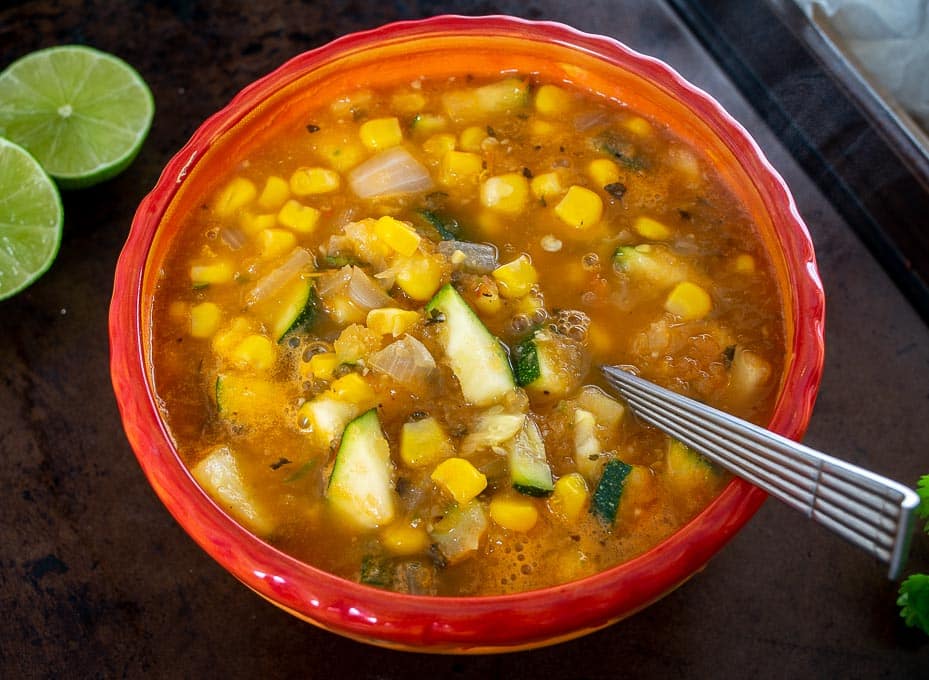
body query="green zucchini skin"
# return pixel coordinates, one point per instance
(526, 362)
(476, 357)
(609, 491)
(530, 472)
(305, 318)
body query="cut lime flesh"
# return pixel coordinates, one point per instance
(31, 218)
(82, 113)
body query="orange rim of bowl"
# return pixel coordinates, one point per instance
(459, 624)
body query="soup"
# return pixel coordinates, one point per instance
(376, 343)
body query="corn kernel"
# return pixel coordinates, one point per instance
(402, 539)
(235, 195)
(353, 389)
(428, 124)
(301, 218)
(603, 171)
(275, 192)
(218, 271)
(546, 186)
(275, 242)
(515, 278)
(225, 342)
(569, 498)
(688, 301)
(256, 352)
(391, 320)
(380, 133)
(398, 235)
(460, 167)
(638, 126)
(342, 154)
(581, 208)
(177, 310)
(204, 319)
(252, 224)
(651, 229)
(343, 311)
(419, 276)
(551, 100)
(408, 102)
(312, 181)
(541, 128)
(424, 442)
(439, 145)
(323, 365)
(516, 513)
(744, 263)
(459, 478)
(471, 137)
(507, 193)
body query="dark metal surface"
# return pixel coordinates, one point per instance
(96, 579)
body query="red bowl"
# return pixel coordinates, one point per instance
(397, 53)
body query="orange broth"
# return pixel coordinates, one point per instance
(286, 301)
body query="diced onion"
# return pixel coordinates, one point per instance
(493, 428)
(298, 262)
(406, 360)
(365, 292)
(232, 237)
(334, 281)
(589, 119)
(480, 258)
(390, 172)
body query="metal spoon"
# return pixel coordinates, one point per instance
(870, 511)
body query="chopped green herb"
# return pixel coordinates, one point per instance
(301, 471)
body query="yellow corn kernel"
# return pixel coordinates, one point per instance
(343, 311)
(581, 208)
(323, 365)
(225, 342)
(275, 242)
(354, 389)
(408, 102)
(600, 340)
(529, 304)
(424, 442)
(569, 498)
(507, 193)
(256, 352)
(459, 478)
(551, 100)
(252, 224)
(603, 171)
(356, 342)
(428, 124)
(419, 276)
(204, 319)
(471, 137)
(313, 181)
(460, 167)
(688, 301)
(546, 186)
(209, 273)
(177, 310)
(513, 512)
(402, 539)
(301, 218)
(237, 194)
(515, 278)
(638, 126)
(541, 128)
(380, 133)
(486, 297)
(392, 320)
(744, 263)
(341, 153)
(275, 192)
(398, 235)
(439, 145)
(651, 229)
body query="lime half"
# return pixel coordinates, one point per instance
(82, 113)
(30, 219)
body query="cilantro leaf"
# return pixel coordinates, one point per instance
(914, 601)
(923, 490)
